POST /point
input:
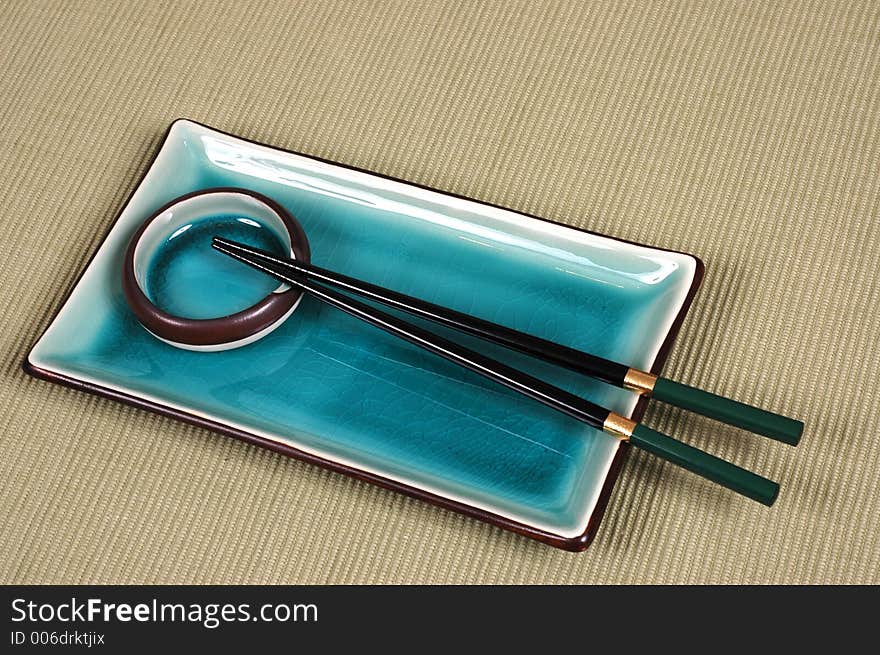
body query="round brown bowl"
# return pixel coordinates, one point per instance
(226, 332)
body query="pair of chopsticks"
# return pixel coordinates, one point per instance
(312, 279)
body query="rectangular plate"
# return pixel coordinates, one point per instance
(329, 389)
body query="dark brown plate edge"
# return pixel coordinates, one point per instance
(574, 544)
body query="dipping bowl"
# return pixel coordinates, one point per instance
(253, 217)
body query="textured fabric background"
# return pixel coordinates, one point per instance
(747, 133)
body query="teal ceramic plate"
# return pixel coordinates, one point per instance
(329, 389)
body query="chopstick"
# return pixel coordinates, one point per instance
(702, 402)
(708, 466)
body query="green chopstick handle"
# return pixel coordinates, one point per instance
(729, 411)
(710, 467)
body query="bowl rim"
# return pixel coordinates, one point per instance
(205, 333)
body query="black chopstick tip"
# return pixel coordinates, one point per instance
(218, 242)
(236, 249)
(228, 247)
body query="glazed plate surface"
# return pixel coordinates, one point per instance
(330, 389)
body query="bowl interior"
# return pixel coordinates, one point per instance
(178, 271)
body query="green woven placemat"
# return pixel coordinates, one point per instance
(745, 132)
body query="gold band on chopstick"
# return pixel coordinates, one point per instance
(639, 381)
(619, 426)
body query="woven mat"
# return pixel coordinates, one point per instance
(747, 133)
